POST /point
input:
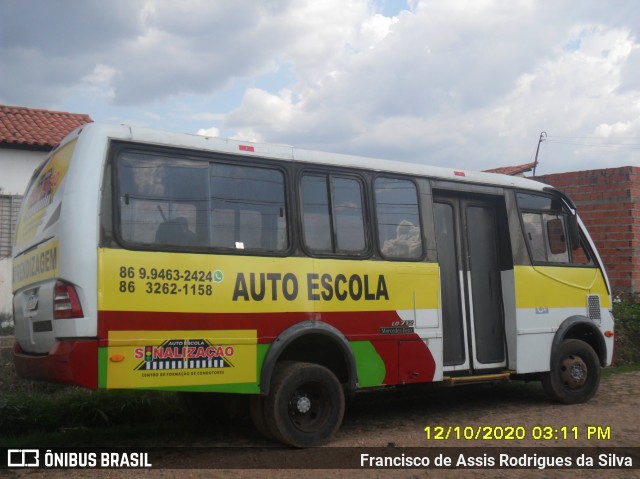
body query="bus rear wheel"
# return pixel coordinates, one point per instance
(575, 373)
(306, 404)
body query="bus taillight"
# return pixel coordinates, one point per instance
(65, 301)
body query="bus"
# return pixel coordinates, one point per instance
(285, 280)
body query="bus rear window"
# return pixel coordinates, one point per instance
(179, 202)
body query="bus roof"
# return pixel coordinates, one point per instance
(290, 153)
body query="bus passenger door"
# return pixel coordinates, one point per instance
(468, 242)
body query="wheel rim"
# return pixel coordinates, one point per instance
(574, 372)
(308, 408)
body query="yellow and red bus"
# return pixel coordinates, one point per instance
(226, 269)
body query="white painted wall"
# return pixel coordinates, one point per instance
(16, 168)
(5, 286)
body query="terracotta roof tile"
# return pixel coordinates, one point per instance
(513, 170)
(22, 127)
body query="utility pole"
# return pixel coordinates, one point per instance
(543, 135)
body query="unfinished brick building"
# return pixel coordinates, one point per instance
(608, 201)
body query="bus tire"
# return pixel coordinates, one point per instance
(306, 404)
(256, 411)
(575, 373)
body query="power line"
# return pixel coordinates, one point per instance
(632, 142)
(594, 137)
(629, 146)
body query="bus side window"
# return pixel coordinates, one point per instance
(581, 255)
(556, 236)
(533, 231)
(546, 235)
(398, 219)
(546, 225)
(175, 231)
(316, 217)
(183, 202)
(333, 214)
(160, 199)
(247, 208)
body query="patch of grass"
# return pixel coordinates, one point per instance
(79, 409)
(39, 409)
(629, 368)
(162, 432)
(627, 331)
(36, 413)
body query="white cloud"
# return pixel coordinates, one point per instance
(205, 116)
(209, 131)
(448, 85)
(460, 82)
(619, 129)
(99, 82)
(265, 111)
(249, 134)
(376, 28)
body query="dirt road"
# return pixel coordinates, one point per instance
(398, 419)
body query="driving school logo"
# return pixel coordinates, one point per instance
(184, 354)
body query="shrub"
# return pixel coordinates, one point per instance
(627, 331)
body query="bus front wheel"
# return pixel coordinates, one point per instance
(306, 404)
(575, 373)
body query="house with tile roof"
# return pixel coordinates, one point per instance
(27, 135)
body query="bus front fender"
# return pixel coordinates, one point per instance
(583, 328)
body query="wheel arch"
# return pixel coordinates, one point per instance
(584, 329)
(311, 341)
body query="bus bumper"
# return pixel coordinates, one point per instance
(68, 362)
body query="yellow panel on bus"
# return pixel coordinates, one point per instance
(180, 358)
(558, 287)
(199, 283)
(36, 265)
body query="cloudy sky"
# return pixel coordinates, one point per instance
(465, 83)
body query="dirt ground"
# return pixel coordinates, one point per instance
(398, 420)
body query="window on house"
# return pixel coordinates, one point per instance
(9, 207)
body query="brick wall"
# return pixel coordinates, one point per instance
(608, 202)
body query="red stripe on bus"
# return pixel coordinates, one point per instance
(404, 363)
